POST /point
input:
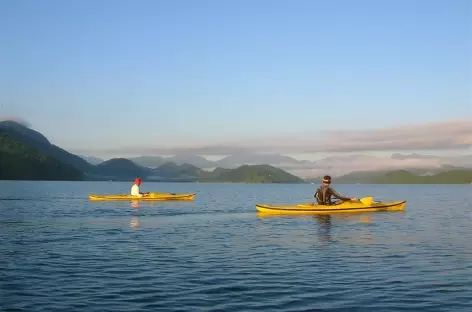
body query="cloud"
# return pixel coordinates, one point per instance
(343, 164)
(146, 151)
(450, 134)
(17, 119)
(444, 135)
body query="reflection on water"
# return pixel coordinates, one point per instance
(355, 228)
(134, 223)
(325, 224)
(337, 218)
(324, 228)
(135, 204)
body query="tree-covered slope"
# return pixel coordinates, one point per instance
(38, 141)
(19, 161)
(121, 169)
(37, 153)
(258, 174)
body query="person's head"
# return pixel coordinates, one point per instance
(327, 180)
(138, 181)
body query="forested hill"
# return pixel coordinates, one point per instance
(27, 154)
(19, 161)
(258, 174)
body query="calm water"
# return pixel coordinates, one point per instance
(60, 252)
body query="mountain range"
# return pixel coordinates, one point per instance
(27, 154)
(447, 176)
(333, 165)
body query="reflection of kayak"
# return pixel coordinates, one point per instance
(349, 206)
(151, 196)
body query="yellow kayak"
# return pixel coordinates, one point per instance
(151, 196)
(349, 206)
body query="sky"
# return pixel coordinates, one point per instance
(100, 76)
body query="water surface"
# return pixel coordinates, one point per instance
(60, 252)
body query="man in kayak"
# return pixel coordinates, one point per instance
(324, 193)
(135, 189)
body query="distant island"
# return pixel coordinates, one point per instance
(451, 176)
(444, 176)
(26, 154)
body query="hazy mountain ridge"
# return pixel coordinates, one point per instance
(333, 165)
(449, 176)
(336, 166)
(27, 154)
(92, 159)
(229, 162)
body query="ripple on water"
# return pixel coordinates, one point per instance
(61, 253)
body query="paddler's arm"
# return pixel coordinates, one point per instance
(339, 196)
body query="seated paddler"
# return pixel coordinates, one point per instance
(324, 193)
(135, 188)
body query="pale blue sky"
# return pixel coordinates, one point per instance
(101, 74)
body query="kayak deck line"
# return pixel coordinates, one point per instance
(341, 208)
(150, 197)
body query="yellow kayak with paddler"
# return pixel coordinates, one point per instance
(365, 204)
(150, 196)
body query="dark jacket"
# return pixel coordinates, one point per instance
(325, 192)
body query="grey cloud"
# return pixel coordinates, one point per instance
(453, 134)
(146, 151)
(17, 119)
(440, 135)
(347, 165)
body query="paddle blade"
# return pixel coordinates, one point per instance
(367, 200)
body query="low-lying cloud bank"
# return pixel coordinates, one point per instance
(444, 135)
(451, 134)
(344, 164)
(340, 165)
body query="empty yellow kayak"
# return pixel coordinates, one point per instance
(349, 206)
(151, 196)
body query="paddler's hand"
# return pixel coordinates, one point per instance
(353, 199)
